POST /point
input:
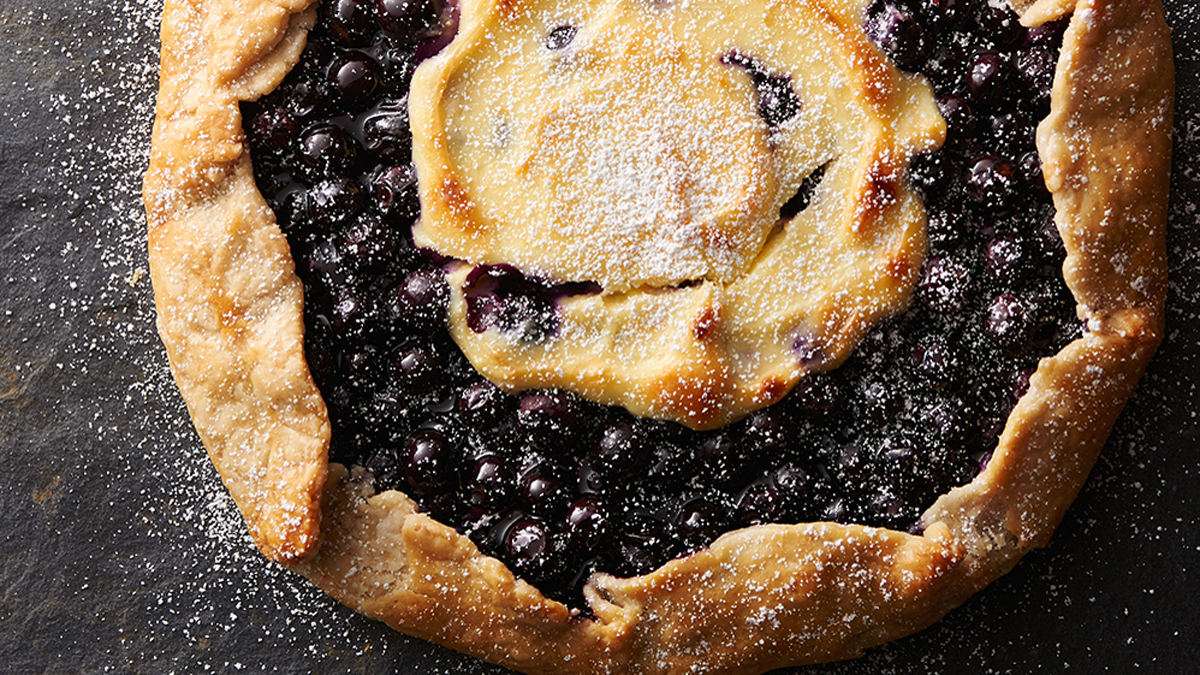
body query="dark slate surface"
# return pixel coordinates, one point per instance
(121, 553)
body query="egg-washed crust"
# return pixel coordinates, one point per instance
(230, 311)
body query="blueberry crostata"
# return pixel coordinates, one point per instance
(658, 336)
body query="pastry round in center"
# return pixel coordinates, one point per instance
(617, 171)
(675, 208)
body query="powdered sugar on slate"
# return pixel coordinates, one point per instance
(122, 551)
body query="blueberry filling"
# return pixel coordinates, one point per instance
(408, 20)
(561, 37)
(557, 487)
(898, 30)
(799, 201)
(502, 297)
(777, 100)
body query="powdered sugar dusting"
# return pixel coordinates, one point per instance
(122, 550)
(632, 158)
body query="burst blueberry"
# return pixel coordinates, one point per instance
(898, 31)
(386, 131)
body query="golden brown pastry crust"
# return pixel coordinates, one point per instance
(227, 297)
(760, 598)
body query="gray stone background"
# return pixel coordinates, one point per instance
(120, 551)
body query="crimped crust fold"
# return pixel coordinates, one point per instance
(229, 303)
(1106, 153)
(751, 602)
(230, 314)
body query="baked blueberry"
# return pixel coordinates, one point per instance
(410, 20)
(349, 22)
(990, 77)
(492, 481)
(350, 311)
(1010, 133)
(777, 100)
(1007, 259)
(419, 302)
(416, 367)
(334, 201)
(1000, 25)
(899, 32)
(327, 151)
(550, 418)
(946, 285)
(386, 131)
(273, 129)
(699, 522)
(620, 451)
(483, 404)
(527, 544)
(937, 360)
(951, 14)
(370, 243)
(587, 523)
(394, 190)
(1008, 321)
(1049, 239)
(760, 503)
(501, 296)
(354, 76)
(956, 110)
(644, 543)
(428, 461)
(560, 37)
(990, 180)
(398, 60)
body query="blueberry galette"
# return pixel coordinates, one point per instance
(624, 336)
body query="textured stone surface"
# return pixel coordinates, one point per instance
(121, 552)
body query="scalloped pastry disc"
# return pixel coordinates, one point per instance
(637, 156)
